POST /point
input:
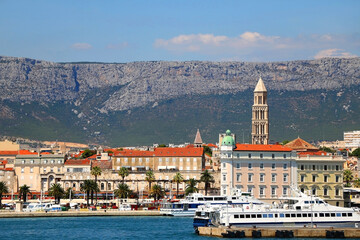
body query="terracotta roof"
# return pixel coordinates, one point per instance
(102, 164)
(26, 152)
(211, 145)
(318, 153)
(300, 145)
(7, 169)
(163, 152)
(9, 153)
(262, 148)
(78, 162)
(135, 153)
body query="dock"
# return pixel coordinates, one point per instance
(99, 213)
(286, 232)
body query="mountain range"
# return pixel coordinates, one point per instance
(141, 103)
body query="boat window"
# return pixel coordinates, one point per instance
(271, 215)
(282, 215)
(258, 215)
(327, 214)
(276, 215)
(236, 216)
(201, 199)
(264, 215)
(314, 214)
(198, 214)
(287, 215)
(349, 214)
(333, 214)
(298, 215)
(321, 214)
(338, 214)
(293, 215)
(208, 199)
(234, 198)
(304, 215)
(253, 215)
(242, 216)
(306, 202)
(312, 202)
(343, 214)
(247, 215)
(219, 198)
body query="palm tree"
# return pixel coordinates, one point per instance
(178, 178)
(206, 178)
(191, 186)
(96, 171)
(157, 192)
(57, 191)
(357, 183)
(69, 193)
(123, 172)
(150, 177)
(3, 189)
(122, 190)
(24, 190)
(348, 177)
(88, 187)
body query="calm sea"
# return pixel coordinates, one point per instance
(98, 228)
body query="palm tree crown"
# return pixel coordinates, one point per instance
(123, 172)
(95, 171)
(348, 177)
(89, 186)
(3, 189)
(57, 191)
(178, 178)
(122, 190)
(24, 190)
(157, 191)
(207, 178)
(191, 186)
(150, 177)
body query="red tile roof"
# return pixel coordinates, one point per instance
(211, 145)
(163, 152)
(135, 153)
(26, 152)
(78, 162)
(318, 153)
(103, 164)
(14, 153)
(262, 148)
(300, 145)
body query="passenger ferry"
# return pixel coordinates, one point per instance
(188, 206)
(302, 210)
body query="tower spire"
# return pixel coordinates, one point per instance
(198, 141)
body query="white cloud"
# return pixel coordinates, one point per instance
(334, 52)
(81, 46)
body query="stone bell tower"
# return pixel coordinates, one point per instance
(260, 115)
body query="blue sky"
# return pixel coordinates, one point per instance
(135, 30)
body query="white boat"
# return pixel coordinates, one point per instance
(301, 210)
(188, 206)
(35, 207)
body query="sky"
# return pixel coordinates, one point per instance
(171, 30)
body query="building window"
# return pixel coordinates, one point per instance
(250, 166)
(302, 190)
(285, 166)
(31, 169)
(118, 160)
(238, 165)
(284, 155)
(160, 159)
(224, 191)
(174, 159)
(337, 167)
(302, 167)
(261, 166)
(250, 190)
(302, 178)
(109, 186)
(313, 167)
(337, 192)
(250, 177)
(238, 177)
(313, 178)
(261, 155)
(337, 178)
(249, 155)
(325, 167)
(22, 170)
(325, 178)
(285, 178)
(58, 169)
(284, 191)
(44, 170)
(147, 160)
(314, 191)
(125, 160)
(273, 190)
(224, 166)
(102, 186)
(32, 161)
(273, 177)
(325, 191)
(273, 166)
(238, 155)
(224, 177)
(272, 155)
(45, 161)
(23, 161)
(261, 192)
(188, 159)
(262, 177)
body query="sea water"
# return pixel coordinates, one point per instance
(98, 228)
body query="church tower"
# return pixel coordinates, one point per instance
(260, 115)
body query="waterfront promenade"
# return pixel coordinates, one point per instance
(75, 213)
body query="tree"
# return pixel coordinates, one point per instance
(89, 187)
(24, 190)
(57, 191)
(87, 153)
(348, 177)
(69, 193)
(157, 192)
(357, 183)
(96, 171)
(206, 178)
(327, 149)
(123, 172)
(191, 186)
(150, 177)
(162, 145)
(122, 191)
(355, 153)
(178, 178)
(3, 189)
(207, 150)
(284, 142)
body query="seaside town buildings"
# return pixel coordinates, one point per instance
(352, 139)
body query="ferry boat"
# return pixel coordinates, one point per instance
(188, 206)
(302, 210)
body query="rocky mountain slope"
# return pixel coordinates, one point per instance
(122, 104)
